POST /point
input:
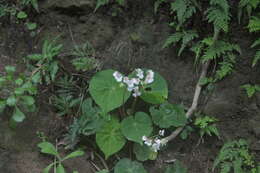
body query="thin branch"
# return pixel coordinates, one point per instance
(194, 105)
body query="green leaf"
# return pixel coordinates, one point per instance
(18, 115)
(10, 69)
(36, 78)
(101, 3)
(28, 100)
(74, 154)
(107, 92)
(110, 139)
(31, 26)
(54, 69)
(60, 169)
(127, 166)
(21, 15)
(176, 168)
(35, 57)
(168, 115)
(156, 92)
(135, 127)
(48, 168)
(48, 148)
(11, 100)
(19, 81)
(144, 152)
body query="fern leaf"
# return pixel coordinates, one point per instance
(254, 24)
(174, 38)
(218, 14)
(256, 58)
(187, 37)
(256, 43)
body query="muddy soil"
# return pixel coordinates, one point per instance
(129, 40)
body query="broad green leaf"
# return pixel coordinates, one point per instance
(110, 139)
(156, 92)
(36, 78)
(144, 152)
(168, 115)
(28, 100)
(176, 168)
(10, 69)
(35, 57)
(48, 168)
(135, 127)
(11, 101)
(48, 148)
(127, 166)
(74, 154)
(21, 15)
(2, 106)
(107, 92)
(60, 169)
(19, 81)
(18, 115)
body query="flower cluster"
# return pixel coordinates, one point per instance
(133, 84)
(155, 143)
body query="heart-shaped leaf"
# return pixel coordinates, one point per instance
(18, 115)
(107, 92)
(135, 127)
(144, 152)
(110, 139)
(128, 166)
(156, 92)
(168, 115)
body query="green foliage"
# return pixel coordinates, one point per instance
(248, 6)
(44, 66)
(184, 10)
(251, 89)
(48, 148)
(157, 4)
(88, 123)
(218, 14)
(135, 127)
(168, 115)
(110, 138)
(207, 126)
(185, 37)
(235, 156)
(64, 103)
(85, 60)
(33, 3)
(106, 91)
(254, 24)
(144, 152)
(176, 168)
(128, 166)
(21, 15)
(17, 92)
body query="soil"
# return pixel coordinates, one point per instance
(132, 39)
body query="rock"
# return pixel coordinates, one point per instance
(69, 4)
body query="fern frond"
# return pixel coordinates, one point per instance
(254, 24)
(256, 58)
(187, 37)
(256, 43)
(218, 14)
(174, 38)
(226, 67)
(184, 9)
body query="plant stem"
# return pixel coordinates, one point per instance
(198, 89)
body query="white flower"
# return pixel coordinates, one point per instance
(136, 81)
(136, 92)
(156, 145)
(149, 77)
(118, 76)
(140, 73)
(128, 82)
(161, 132)
(144, 138)
(147, 141)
